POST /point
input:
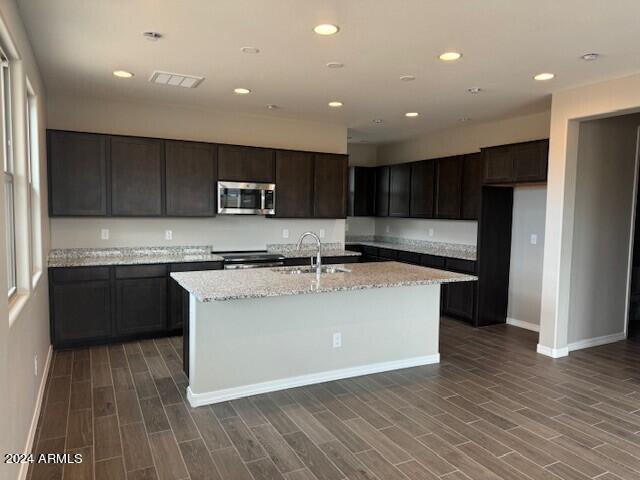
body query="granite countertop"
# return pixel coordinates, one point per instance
(290, 250)
(440, 249)
(275, 282)
(88, 257)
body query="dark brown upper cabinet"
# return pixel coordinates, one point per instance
(246, 164)
(137, 167)
(362, 190)
(330, 186)
(530, 161)
(448, 187)
(399, 190)
(422, 188)
(516, 163)
(294, 184)
(471, 186)
(382, 191)
(78, 174)
(191, 173)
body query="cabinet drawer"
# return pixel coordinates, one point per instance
(195, 266)
(388, 253)
(459, 265)
(79, 274)
(141, 271)
(432, 261)
(343, 259)
(409, 257)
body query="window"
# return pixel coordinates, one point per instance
(8, 168)
(33, 178)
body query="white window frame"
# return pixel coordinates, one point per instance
(9, 175)
(33, 180)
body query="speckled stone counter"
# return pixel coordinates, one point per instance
(276, 282)
(87, 257)
(440, 249)
(290, 250)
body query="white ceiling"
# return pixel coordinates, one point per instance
(79, 43)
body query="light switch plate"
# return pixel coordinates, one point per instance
(321, 233)
(431, 232)
(285, 233)
(104, 234)
(337, 340)
(168, 234)
(534, 239)
(388, 229)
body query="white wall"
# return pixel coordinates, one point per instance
(612, 97)
(459, 231)
(362, 154)
(602, 227)
(24, 328)
(223, 232)
(169, 121)
(525, 273)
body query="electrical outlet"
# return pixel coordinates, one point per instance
(534, 239)
(337, 340)
(431, 232)
(388, 229)
(35, 365)
(168, 234)
(321, 233)
(285, 233)
(104, 234)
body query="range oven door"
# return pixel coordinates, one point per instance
(240, 198)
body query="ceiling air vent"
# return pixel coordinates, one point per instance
(175, 79)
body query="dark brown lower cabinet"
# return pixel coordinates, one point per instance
(459, 300)
(95, 305)
(141, 299)
(175, 320)
(80, 305)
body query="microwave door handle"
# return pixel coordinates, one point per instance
(263, 200)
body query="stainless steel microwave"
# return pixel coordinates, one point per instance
(240, 198)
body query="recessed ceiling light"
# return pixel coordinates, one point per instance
(326, 29)
(122, 74)
(542, 77)
(474, 90)
(152, 36)
(241, 91)
(590, 57)
(411, 114)
(450, 56)
(335, 104)
(408, 78)
(377, 120)
(335, 65)
(272, 106)
(252, 50)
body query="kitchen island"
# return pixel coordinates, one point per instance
(262, 330)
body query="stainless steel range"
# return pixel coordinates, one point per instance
(250, 259)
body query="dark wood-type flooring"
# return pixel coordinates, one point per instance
(493, 409)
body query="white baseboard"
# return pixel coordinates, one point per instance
(552, 352)
(24, 469)
(206, 398)
(594, 342)
(534, 327)
(579, 345)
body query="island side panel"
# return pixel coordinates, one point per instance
(244, 347)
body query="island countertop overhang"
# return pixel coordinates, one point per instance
(207, 286)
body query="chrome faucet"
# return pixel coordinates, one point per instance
(318, 264)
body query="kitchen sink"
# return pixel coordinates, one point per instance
(312, 270)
